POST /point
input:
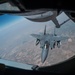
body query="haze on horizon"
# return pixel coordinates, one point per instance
(18, 45)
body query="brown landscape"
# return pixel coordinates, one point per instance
(18, 45)
(31, 54)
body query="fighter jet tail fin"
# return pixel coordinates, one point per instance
(55, 32)
(45, 30)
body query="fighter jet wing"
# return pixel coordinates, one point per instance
(60, 38)
(37, 36)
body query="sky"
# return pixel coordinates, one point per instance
(6, 20)
(15, 37)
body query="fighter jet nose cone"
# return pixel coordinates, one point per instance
(44, 55)
(42, 60)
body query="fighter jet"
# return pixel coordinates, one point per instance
(47, 40)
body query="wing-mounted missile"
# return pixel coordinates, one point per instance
(52, 44)
(38, 37)
(58, 44)
(37, 41)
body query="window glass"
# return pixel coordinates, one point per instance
(19, 36)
